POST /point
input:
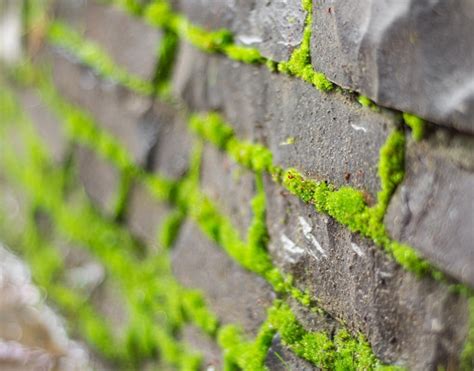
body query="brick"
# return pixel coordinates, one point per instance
(367, 46)
(145, 215)
(200, 342)
(416, 322)
(433, 209)
(239, 297)
(229, 186)
(119, 111)
(99, 179)
(274, 27)
(171, 131)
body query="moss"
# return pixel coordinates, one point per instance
(416, 124)
(89, 53)
(467, 356)
(170, 228)
(243, 54)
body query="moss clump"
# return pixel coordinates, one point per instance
(416, 124)
(170, 228)
(243, 54)
(299, 64)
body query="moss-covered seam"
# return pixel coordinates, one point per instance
(417, 125)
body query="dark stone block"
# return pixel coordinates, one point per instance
(415, 56)
(235, 295)
(433, 209)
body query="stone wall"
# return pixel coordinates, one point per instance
(204, 184)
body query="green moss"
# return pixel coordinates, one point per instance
(170, 228)
(243, 54)
(367, 102)
(416, 124)
(89, 53)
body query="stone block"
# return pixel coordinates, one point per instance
(414, 56)
(433, 209)
(240, 297)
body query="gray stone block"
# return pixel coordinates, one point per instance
(99, 179)
(120, 112)
(145, 215)
(240, 297)
(415, 56)
(433, 209)
(229, 186)
(47, 125)
(274, 27)
(171, 150)
(409, 321)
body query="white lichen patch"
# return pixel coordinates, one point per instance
(307, 229)
(295, 252)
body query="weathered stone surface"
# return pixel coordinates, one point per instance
(229, 186)
(328, 136)
(99, 179)
(274, 27)
(240, 297)
(47, 125)
(145, 215)
(415, 56)
(171, 132)
(133, 49)
(280, 358)
(433, 209)
(122, 113)
(200, 342)
(409, 321)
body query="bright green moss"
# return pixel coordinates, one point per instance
(212, 128)
(416, 124)
(243, 54)
(345, 205)
(170, 228)
(302, 188)
(89, 53)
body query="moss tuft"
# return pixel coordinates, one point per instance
(416, 124)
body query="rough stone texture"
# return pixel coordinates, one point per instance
(99, 179)
(145, 215)
(47, 125)
(134, 49)
(407, 320)
(203, 344)
(229, 186)
(274, 27)
(240, 297)
(328, 136)
(433, 210)
(415, 56)
(171, 132)
(121, 112)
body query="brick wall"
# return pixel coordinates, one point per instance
(263, 184)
